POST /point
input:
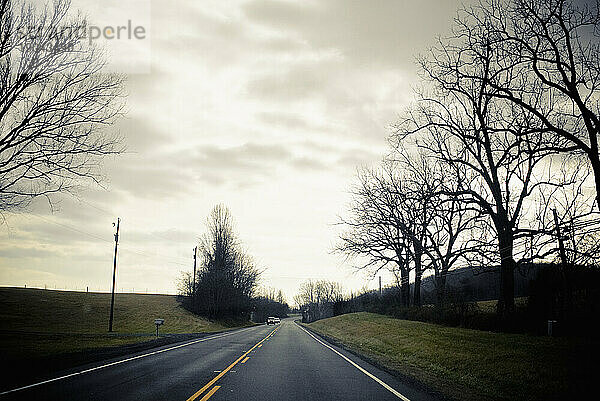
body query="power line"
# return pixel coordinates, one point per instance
(70, 228)
(136, 222)
(128, 248)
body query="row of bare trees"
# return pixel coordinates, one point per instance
(269, 302)
(497, 153)
(316, 298)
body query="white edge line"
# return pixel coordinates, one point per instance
(378, 380)
(119, 362)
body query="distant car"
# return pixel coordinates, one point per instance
(277, 320)
(273, 320)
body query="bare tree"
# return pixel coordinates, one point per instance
(418, 205)
(376, 228)
(547, 61)
(54, 100)
(227, 277)
(316, 298)
(479, 138)
(269, 302)
(318, 292)
(444, 220)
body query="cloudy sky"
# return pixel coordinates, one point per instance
(266, 106)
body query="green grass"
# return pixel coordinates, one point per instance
(468, 364)
(37, 322)
(490, 306)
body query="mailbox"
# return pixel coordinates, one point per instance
(158, 322)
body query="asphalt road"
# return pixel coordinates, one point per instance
(282, 362)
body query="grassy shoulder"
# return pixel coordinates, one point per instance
(40, 323)
(468, 364)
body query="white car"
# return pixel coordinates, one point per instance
(273, 320)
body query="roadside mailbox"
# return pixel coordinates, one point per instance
(158, 322)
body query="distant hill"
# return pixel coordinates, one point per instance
(51, 311)
(480, 284)
(38, 323)
(45, 331)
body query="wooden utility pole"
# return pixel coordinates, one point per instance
(112, 297)
(194, 276)
(566, 299)
(561, 244)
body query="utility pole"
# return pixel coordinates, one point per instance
(561, 244)
(112, 297)
(566, 298)
(379, 285)
(194, 276)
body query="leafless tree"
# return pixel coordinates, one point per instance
(269, 302)
(402, 221)
(317, 298)
(480, 138)
(578, 220)
(415, 189)
(445, 221)
(319, 292)
(376, 227)
(227, 277)
(54, 101)
(185, 284)
(547, 61)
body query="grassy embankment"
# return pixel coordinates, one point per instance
(39, 323)
(469, 364)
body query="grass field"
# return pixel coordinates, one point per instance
(469, 364)
(38, 323)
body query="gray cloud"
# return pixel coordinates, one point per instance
(380, 33)
(356, 158)
(154, 178)
(26, 252)
(300, 82)
(309, 163)
(172, 235)
(288, 121)
(140, 135)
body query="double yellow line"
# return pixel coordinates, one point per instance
(217, 377)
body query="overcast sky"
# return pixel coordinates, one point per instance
(266, 106)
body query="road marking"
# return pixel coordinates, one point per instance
(210, 393)
(378, 380)
(120, 362)
(245, 359)
(260, 346)
(217, 377)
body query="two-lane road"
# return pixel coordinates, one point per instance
(284, 362)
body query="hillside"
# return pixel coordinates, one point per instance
(468, 364)
(36, 322)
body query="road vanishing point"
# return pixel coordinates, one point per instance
(285, 362)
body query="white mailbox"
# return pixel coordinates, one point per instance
(158, 322)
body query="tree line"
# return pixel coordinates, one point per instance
(316, 299)
(496, 161)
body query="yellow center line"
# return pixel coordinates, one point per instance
(210, 393)
(245, 359)
(217, 377)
